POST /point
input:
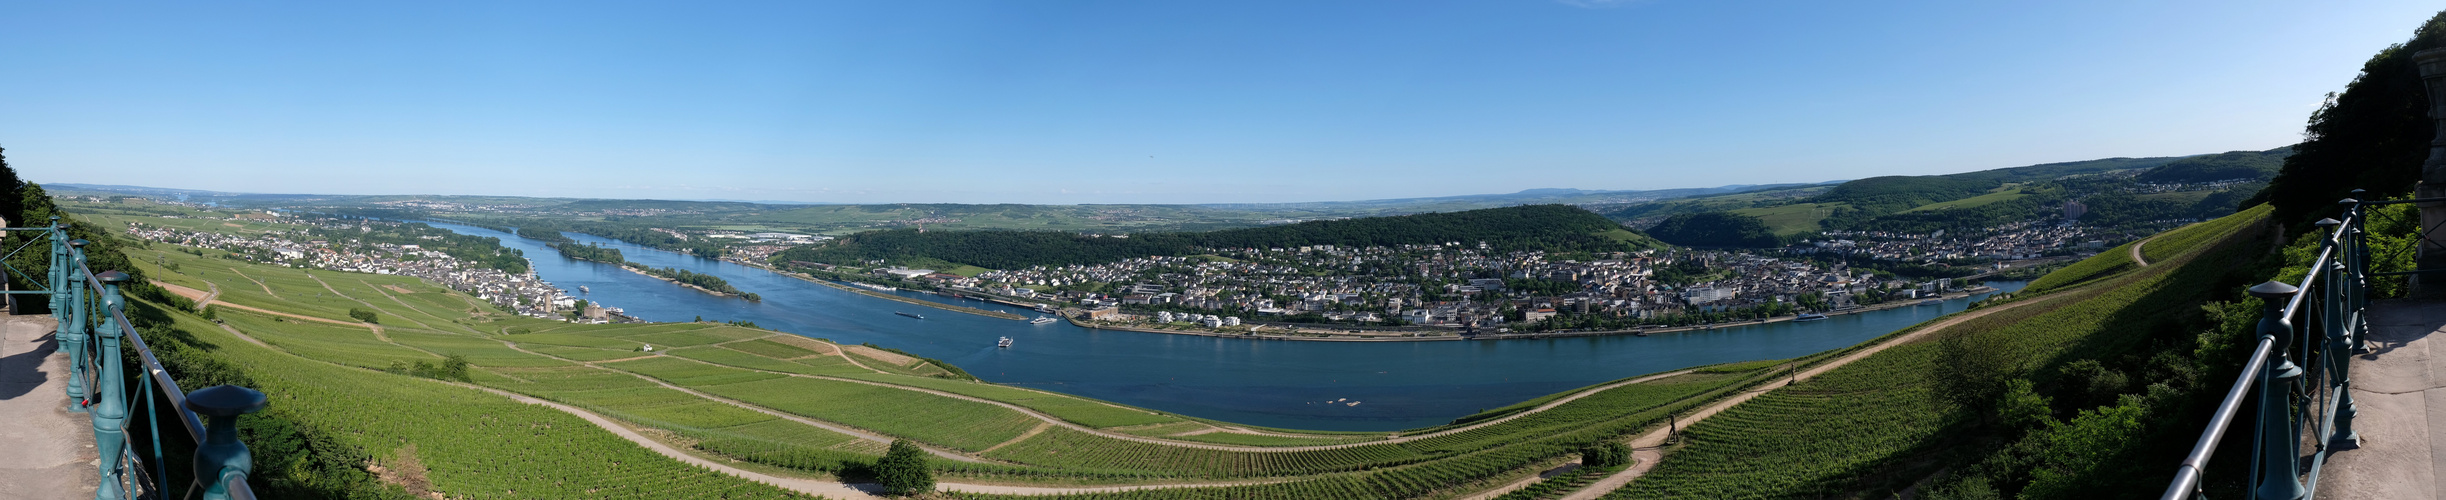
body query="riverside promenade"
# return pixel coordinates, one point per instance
(2400, 385)
(49, 451)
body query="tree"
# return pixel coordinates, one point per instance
(1606, 454)
(11, 207)
(363, 314)
(903, 470)
(2372, 136)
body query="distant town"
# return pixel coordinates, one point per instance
(520, 292)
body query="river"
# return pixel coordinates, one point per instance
(1272, 383)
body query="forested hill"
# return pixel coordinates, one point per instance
(1532, 227)
(2233, 165)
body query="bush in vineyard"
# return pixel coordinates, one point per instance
(903, 470)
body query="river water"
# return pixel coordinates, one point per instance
(1272, 383)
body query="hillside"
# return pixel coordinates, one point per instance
(1533, 227)
(2055, 398)
(2232, 165)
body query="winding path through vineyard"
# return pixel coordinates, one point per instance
(1648, 449)
(2137, 258)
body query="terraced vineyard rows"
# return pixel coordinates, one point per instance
(1869, 427)
(473, 444)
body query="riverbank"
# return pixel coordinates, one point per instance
(896, 298)
(708, 291)
(1318, 334)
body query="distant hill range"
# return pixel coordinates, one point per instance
(1558, 228)
(2111, 192)
(1783, 211)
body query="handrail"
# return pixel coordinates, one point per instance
(2187, 478)
(93, 323)
(2315, 395)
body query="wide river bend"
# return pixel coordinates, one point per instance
(1272, 383)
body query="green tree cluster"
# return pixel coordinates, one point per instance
(1715, 229)
(590, 252)
(363, 314)
(453, 367)
(902, 470)
(1532, 227)
(1606, 454)
(2374, 136)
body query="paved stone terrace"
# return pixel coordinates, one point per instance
(2400, 386)
(45, 451)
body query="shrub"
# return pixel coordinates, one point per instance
(903, 470)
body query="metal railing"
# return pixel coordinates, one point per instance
(95, 331)
(2301, 372)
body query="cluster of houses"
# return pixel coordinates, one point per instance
(2016, 241)
(523, 293)
(1451, 284)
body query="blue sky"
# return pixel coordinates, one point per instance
(1045, 101)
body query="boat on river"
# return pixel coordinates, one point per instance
(583, 289)
(1042, 320)
(1005, 343)
(909, 314)
(1810, 317)
(1932, 302)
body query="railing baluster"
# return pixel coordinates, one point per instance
(72, 334)
(2280, 459)
(222, 459)
(110, 409)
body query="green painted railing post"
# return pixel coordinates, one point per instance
(2279, 457)
(222, 458)
(59, 269)
(73, 332)
(2359, 254)
(110, 409)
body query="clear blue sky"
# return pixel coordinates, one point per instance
(1044, 101)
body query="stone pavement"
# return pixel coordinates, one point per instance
(2400, 387)
(45, 451)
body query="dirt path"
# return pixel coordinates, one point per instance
(267, 289)
(411, 307)
(377, 326)
(828, 489)
(1032, 432)
(1648, 449)
(181, 290)
(845, 430)
(1048, 418)
(200, 297)
(248, 338)
(2137, 258)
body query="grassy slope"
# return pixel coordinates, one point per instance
(472, 444)
(2000, 195)
(1875, 426)
(1795, 218)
